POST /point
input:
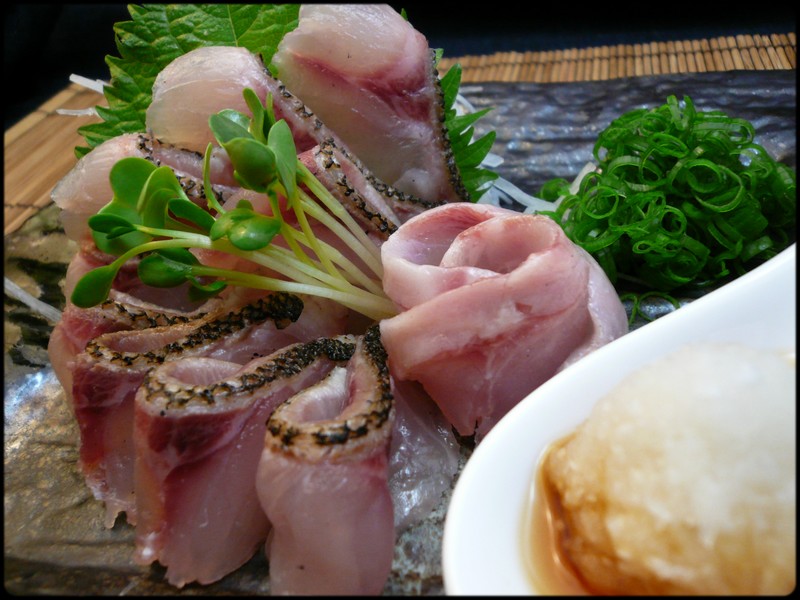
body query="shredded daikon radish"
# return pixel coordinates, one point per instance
(77, 112)
(45, 310)
(95, 85)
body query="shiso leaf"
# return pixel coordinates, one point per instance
(468, 152)
(157, 34)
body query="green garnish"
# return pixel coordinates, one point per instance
(160, 33)
(151, 215)
(637, 299)
(468, 153)
(681, 199)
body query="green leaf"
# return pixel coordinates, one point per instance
(254, 233)
(450, 83)
(106, 223)
(269, 108)
(189, 211)
(127, 178)
(262, 121)
(254, 163)
(476, 151)
(164, 269)
(212, 202)
(228, 125)
(245, 228)
(467, 153)
(93, 288)
(200, 291)
(282, 143)
(462, 122)
(159, 33)
(161, 187)
(260, 149)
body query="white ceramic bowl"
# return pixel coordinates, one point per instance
(483, 533)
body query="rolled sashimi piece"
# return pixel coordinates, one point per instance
(199, 433)
(493, 303)
(369, 76)
(108, 373)
(323, 481)
(121, 312)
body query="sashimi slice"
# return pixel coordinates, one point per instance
(323, 481)
(78, 326)
(369, 76)
(108, 373)
(494, 304)
(199, 431)
(197, 85)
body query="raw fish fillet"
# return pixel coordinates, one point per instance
(177, 121)
(121, 312)
(380, 208)
(424, 454)
(199, 432)
(86, 188)
(323, 481)
(197, 85)
(494, 303)
(369, 76)
(108, 373)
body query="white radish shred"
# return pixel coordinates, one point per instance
(45, 310)
(95, 85)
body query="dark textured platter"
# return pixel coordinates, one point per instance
(54, 540)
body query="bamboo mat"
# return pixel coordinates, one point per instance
(39, 149)
(748, 52)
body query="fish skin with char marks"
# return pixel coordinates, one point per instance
(199, 432)
(323, 480)
(112, 367)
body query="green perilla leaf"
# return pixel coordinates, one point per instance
(159, 33)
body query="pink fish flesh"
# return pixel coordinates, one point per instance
(178, 118)
(323, 481)
(424, 455)
(107, 374)
(86, 188)
(369, 76)
(199, 433)
(528, 302)
(197, 85)
(121, 312)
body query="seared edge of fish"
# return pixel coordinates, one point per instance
(280, 308)
(374, 416)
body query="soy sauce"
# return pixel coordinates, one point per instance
(549, 569)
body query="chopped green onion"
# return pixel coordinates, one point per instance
(680, 199)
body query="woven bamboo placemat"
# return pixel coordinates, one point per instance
(748, 52)
(39, 149)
